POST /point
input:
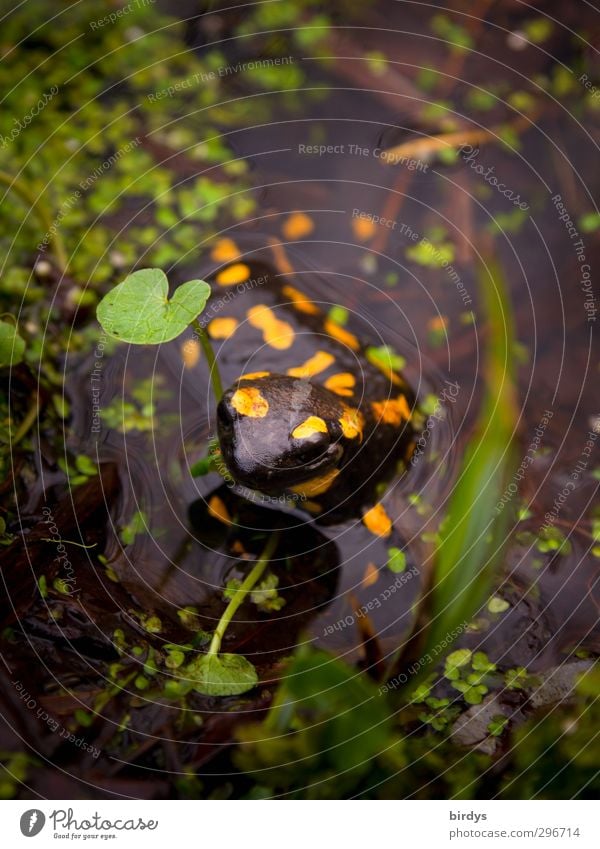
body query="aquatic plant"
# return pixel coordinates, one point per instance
(139, 311)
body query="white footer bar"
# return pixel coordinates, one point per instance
(290, 825)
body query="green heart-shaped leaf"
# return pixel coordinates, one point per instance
(12, 347)
(138, 310)
(224, 675)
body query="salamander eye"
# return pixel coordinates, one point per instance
(309, 452)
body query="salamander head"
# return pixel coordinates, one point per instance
(281, 434)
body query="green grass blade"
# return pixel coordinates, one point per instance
(472, 536)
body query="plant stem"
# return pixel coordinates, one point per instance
(35, 203)
(242, 591)
(215, 375)
(27, 422)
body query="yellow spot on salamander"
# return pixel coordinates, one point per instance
(310, 426)
(316, 486)
(378, 521)
(222, 328)
(315, 365)
(300, 301)
(218, 510)
(282, 263)
(363, 228)
(341, 334)
(370, 577)
(352, 423)
(276, 333)
(250, 402)
(225, 250)
(392, 411)
(254, 374)
(297, 225)
(190, 353)
(342, 383)
(233, 274)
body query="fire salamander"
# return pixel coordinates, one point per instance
(313, 421)
(311, 416)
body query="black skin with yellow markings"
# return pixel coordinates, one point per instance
(281, 430)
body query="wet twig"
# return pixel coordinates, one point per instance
(427, 147)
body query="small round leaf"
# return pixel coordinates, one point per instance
(139, 310)
(224, 675)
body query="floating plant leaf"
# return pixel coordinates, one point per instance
(224, 675)
(139, 310)
(339, 315)
(202, 467)
(385, 356)
(209, 463)
(12, 347)
(397, 560)
(497, 604)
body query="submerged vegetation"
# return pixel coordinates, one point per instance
(120, 166)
